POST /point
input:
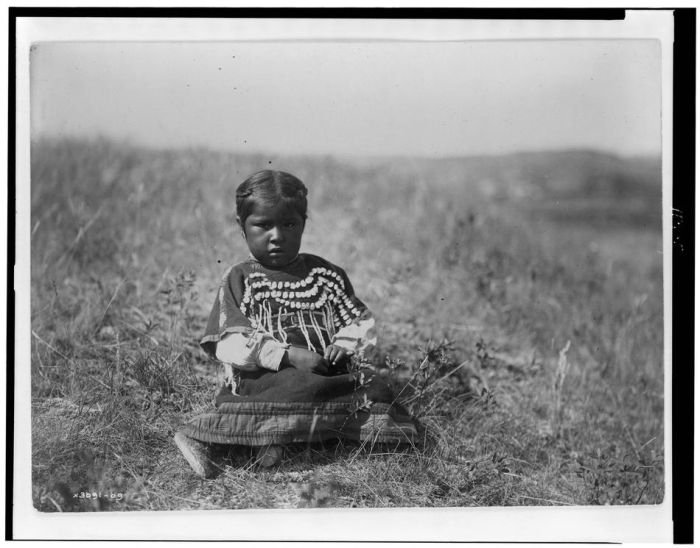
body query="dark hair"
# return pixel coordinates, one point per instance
(270, 187)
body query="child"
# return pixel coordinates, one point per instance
(285, 325)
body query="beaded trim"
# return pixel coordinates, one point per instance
(318, 301)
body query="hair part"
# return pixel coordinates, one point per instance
(270, 187)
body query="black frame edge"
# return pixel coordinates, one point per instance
(603, 14)
(10, 313)
(683, 376)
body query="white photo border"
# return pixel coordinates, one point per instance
(583, 524)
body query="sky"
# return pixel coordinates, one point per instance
(354, 98)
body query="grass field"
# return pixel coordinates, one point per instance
(532, 284)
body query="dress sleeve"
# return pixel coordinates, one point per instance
(357, 336)
(359, 332)
(248, 353)
(226, 316)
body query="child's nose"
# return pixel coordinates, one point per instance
(275, 234)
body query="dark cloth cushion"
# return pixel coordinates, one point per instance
(296, 406)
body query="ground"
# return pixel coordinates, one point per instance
(528, 286)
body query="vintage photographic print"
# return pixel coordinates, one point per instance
(321, 270)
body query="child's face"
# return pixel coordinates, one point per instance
(273, 233)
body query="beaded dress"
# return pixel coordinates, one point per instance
(306, 303)
(309, 303)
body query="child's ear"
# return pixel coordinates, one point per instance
(240, 225)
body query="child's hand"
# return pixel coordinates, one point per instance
(336, 354)
(306, 360)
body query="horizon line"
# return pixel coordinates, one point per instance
(134, 143)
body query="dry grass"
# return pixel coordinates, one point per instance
(530, 348)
